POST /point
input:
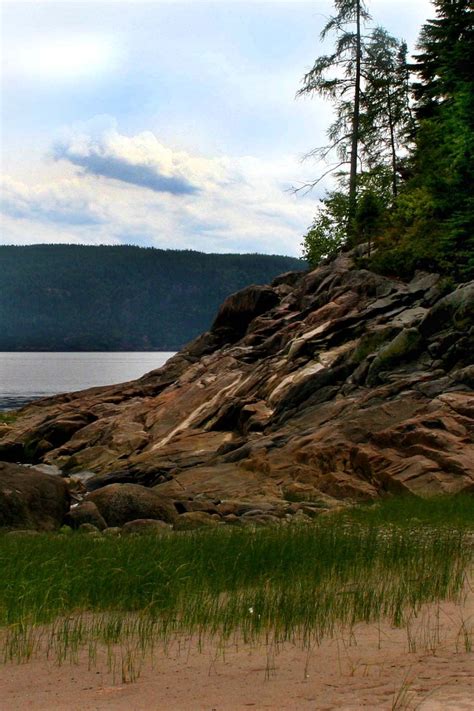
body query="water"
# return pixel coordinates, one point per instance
(27, 376)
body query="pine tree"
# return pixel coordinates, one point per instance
(444, 63)
(343, 86)
(387, 117)
(432, 223)
(444, 155)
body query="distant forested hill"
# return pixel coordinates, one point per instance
(71, 297)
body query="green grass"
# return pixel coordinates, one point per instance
(454, 511)
(295, 582)
(7, 418)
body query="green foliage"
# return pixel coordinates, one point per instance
(330, 230)
(387, 121)
(368, 217)
(337, 76)
(69, 297)
(455, 511)
(415, 153)
(366, 79)
(432, 225)
(328, 233)
(409, 241)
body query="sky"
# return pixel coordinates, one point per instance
(171, 124)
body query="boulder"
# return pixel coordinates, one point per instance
(121, 503)
(259, 519)
(274, 507)
(85, 512)
(402, 348)
(30, 499)
(239, 310)
(55, 432)
(456, 310)
(198, 504)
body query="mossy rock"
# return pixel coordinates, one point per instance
(455, 311)
(146, 527)
(371, 342)
(404, 347)
(89, 529)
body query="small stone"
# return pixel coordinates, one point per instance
(301, 517)
(112, 531)
(89, 529)
(22, 533)
(145, 526)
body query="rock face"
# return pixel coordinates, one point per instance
(30, 499)
(338, 383)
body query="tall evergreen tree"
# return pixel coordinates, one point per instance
(444, 62)
(444, 156)
(387, 117)
(432, 223)
(338, 76)
(366, 78)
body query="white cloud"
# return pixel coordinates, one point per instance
(140, 160)
(65, 202)
(236, 203)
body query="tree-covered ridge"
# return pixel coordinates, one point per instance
(410, 127)
(72, 297)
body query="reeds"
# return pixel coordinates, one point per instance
(299, 583)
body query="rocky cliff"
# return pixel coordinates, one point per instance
(333, 384)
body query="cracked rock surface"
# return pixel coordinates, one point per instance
(334, 384)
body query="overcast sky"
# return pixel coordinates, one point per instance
(162, 123)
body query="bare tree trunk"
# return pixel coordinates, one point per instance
(355, 127)
(392, 143)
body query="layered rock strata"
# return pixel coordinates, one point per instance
(334, 384)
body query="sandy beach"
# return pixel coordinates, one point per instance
(371, 667)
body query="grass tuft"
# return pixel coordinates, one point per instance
(8, 417)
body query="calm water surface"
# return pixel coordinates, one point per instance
(28, 376)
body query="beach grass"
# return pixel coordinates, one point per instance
(8, 417)
(294, 582)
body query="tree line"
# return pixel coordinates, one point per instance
(83, 298)
(401, 146)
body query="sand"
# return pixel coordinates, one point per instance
(371, 667)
